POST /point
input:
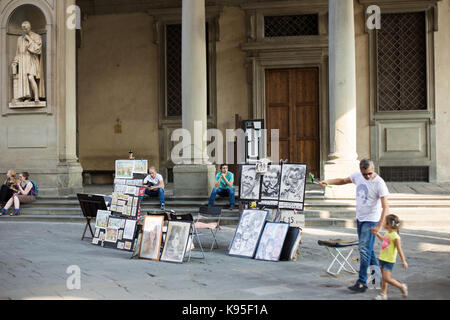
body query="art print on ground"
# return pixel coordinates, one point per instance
(271, 242)
(292, 189)
(151, 237)
(247, 233)
(176, 241)
(250, 183)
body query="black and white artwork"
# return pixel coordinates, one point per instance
(250, 183)
(272, 240)
(176, 241)
(247, 233)
(270, 186)
(292, 188)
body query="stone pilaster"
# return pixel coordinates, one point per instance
(342, 60)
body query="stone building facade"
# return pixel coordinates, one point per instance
(337, 90)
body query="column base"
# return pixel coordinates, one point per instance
(341, 169)
(66, 180)
(194, 179)
(70, 178)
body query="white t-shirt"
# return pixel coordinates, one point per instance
(156, 181)
(368, 197)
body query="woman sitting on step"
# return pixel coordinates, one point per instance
(7, 189)
(26, 194)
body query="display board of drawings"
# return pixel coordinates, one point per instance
(116, 228)
(256, 237)
(280, 186)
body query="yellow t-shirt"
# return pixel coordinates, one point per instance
(388, 248)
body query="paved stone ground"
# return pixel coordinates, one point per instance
(34, 258)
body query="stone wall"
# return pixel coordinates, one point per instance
(117, 79)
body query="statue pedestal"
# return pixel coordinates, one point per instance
(194, 179)
(30, 104)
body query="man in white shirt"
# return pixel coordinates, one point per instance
(155, 186)
(371, 209)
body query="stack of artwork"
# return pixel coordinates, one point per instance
(128, 187)
(170, 247)
(114, 232)
(116, 228)
(281, 186)
(257, 238)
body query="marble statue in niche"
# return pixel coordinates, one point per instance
(28, 70)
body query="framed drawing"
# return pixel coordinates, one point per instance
(292, 188)
(250, 183)
(124, 169)
(271, 242)
(151, 237)
(114, 222)
(111, 234)
(176, 241)
(270, 186)
(140, 166)
(247, 233)
(129, 229)
(102, 219)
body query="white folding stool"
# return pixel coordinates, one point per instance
(337, 248)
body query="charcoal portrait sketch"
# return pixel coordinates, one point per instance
(250, 183)
(248, 232)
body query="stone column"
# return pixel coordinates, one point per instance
(69, 168)
(196, 176)
(342, 63)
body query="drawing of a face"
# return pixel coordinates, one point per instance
(248, 181)
(271, 183)
(294, 178)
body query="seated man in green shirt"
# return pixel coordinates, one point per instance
(223, 186)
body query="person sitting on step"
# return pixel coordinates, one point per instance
(155, 186)
(7, 189)
(223, 186)
(26, 193)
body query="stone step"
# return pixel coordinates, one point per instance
(309, 203)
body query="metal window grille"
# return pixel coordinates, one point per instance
(173, 69)
(405, 174)
(402, 70)
(290, 26)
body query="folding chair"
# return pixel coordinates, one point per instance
(337, 249)
(193, 233)
(213, 214)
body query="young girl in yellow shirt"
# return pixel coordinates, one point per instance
(390, 247)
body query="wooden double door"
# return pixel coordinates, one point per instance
(292, 102)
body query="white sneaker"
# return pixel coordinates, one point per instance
(404, 290)
(381, 296)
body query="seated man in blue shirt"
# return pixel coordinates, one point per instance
(223, 186)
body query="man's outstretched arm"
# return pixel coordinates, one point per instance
(336, 181)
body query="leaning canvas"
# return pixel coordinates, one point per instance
(247, 233)
(151, 237)
(176, 241)
(271, 242)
